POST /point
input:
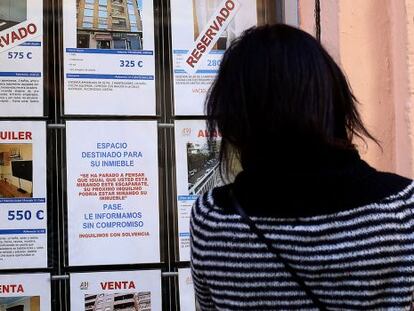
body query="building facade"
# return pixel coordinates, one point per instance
(122, 302)
(109, 24)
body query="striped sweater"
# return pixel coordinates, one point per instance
(354, 258)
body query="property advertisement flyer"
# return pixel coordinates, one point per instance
(25, 292)
(21, 58)
(197, 171)
(186, 289)
(23, 219)
(201, 31)
(110, 291)
(112, 187)
(109, 62)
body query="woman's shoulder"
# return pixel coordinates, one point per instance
(213, 203)
(390, 186)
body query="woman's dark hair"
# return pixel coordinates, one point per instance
(278, 86)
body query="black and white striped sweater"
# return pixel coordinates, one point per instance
(356, 255)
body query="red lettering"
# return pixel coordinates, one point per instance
(117, 285)
(31, 28)
(206, 133)
(220, 20)
(201, 47)
(200, 133)
(6, 39)
(214, 26)
(225, 13)
(191, 61)
(210, 34)
(15, 36)
(205, 40)
(230, 5)
(11, 288)
(15, 135)
(196, 54)
(22, 33)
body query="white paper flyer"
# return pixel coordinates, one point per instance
(112, 186)
(25, 292)
(201, 31)
(109, 62)
(23, 213)
(121, 290)
(197, 172)
(186, 289)
(21, 58)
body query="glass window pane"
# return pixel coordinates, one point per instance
(120, 44)
(134, 28)
(103, 2)
(103, 23)
(88, 12)
(88, 19)
(89, 6)
(132, 19)
(90, 1)
(87, 25)
(103, 14)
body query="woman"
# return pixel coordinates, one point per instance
(338, 234)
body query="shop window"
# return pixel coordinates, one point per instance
(120, 44)
(117, 24)
(104, 44)
(134, 42)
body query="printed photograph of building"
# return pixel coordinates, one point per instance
(12, 12)
(109, 24)
(203, 10)
(140, 301)
(16, 170)
(203, 167)
(25, 303)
